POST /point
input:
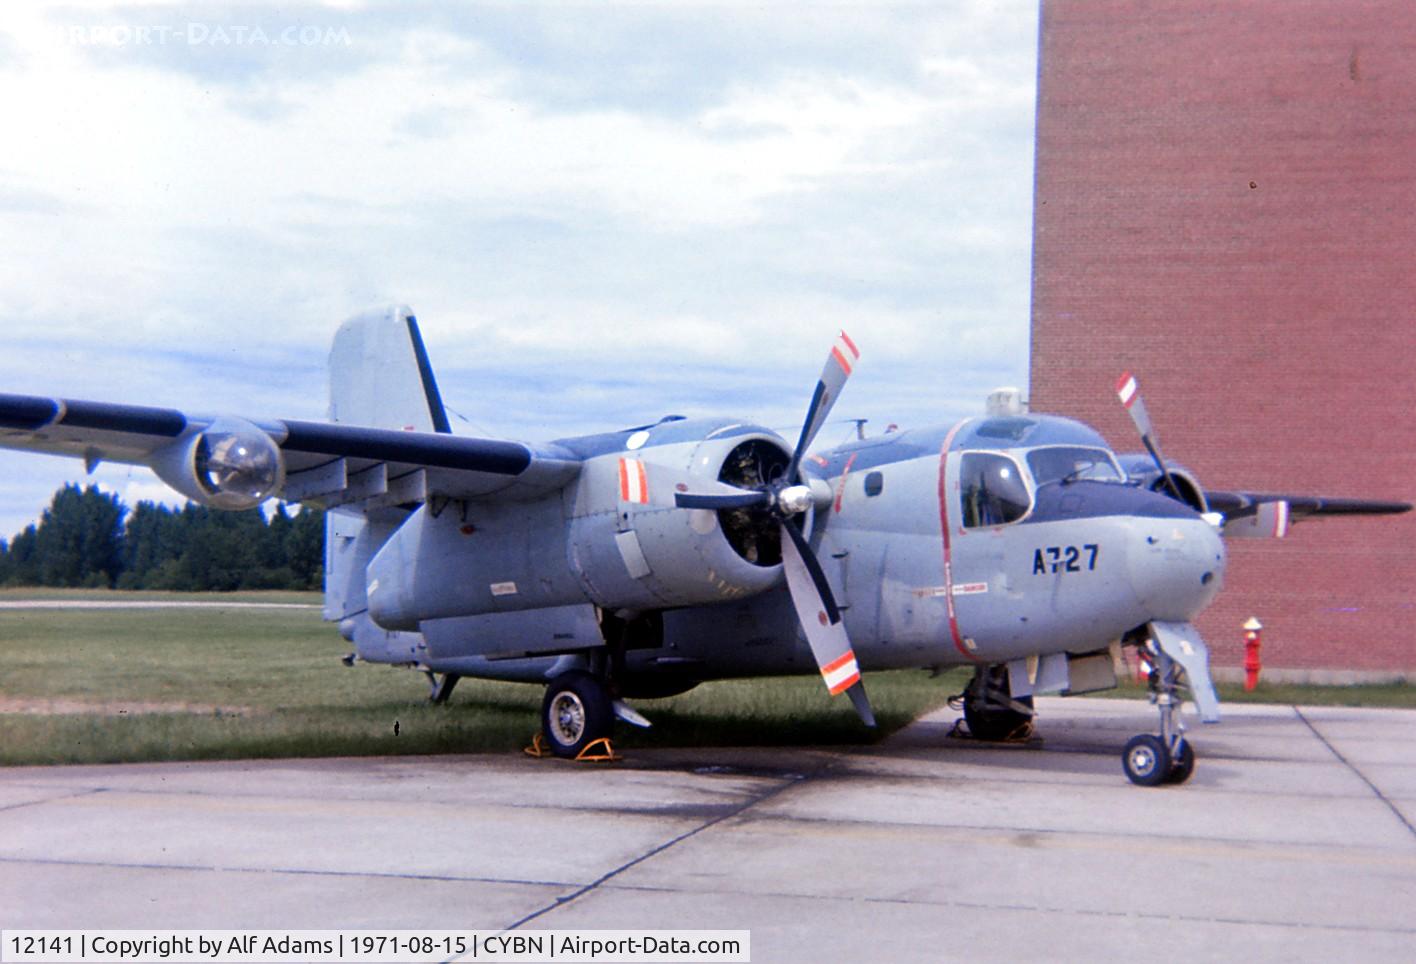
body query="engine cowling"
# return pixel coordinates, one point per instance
(1141, 467)
(230, 464)
(652, 554)
(597, 542)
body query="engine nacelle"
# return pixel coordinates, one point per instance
(597, 542)
(230, 464)
(1140, 466)
(650, 554)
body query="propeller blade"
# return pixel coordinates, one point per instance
(1129, 391)
(650, 483)
(735, 500)
(839, 365)
(821, 620)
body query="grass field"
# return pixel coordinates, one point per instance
(99, 595)
(110, 685)
(87, 686)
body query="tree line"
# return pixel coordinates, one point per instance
(89, 538)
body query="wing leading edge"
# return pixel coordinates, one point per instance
(1240, 505)
(333, 464)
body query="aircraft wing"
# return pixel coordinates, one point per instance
(1238, 505)
(328, 463)
(1268, 515)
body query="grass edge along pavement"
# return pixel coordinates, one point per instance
(117, 685)
(227, 682)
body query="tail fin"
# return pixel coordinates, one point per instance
(379, 374)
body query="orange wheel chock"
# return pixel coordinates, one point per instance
(598, 751)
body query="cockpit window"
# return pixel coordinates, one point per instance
(992, 489)
(1067, 463)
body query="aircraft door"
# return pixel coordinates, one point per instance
(983, 495)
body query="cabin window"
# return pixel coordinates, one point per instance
(874, 483)
(992, 489)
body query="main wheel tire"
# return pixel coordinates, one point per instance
(994, 724)
(575, 713)
(1146, 760)
(1183, 764)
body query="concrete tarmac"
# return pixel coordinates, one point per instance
(1295, 840)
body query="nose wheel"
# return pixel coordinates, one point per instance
(1152, 760)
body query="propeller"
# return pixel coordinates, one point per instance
(1252, 515)
(786, 498)
(1129, 391)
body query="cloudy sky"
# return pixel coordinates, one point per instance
(601, 213)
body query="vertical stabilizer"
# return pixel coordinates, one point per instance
(379, 374)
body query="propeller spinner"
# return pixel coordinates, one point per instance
(787, 498)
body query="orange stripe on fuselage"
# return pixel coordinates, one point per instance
(948, 549)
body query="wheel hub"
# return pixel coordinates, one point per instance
(567, 718)
(1143, 760)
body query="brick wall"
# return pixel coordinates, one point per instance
(1226, 205)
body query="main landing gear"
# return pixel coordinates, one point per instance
(576, 712)
(991, 711)
(1151, 760)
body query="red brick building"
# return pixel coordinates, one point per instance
(1226, 205)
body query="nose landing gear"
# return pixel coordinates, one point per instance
(1152, 760)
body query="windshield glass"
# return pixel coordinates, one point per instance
(1058, 463)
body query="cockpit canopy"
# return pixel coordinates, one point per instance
(995, 490)
(1068, 463)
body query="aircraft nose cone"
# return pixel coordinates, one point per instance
(1176, 567)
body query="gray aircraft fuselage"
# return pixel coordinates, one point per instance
(992, 540)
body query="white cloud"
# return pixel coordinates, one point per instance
(600, 213)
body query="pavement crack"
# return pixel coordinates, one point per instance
(1396, 811)
(752, 801)
(282, 871)
(59, 799)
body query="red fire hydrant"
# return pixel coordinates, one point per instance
(1253, 629)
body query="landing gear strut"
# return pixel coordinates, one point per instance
(1167, 757)
(440, 688)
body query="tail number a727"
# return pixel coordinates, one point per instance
(1064, 559)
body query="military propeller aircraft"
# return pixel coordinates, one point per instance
(642, 562)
